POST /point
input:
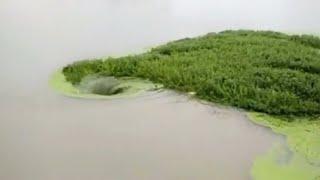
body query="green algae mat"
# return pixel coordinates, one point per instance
(303, 155)
(271, 74)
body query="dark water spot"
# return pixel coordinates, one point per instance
(101, 85)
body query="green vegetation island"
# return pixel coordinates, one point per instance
(274, 76)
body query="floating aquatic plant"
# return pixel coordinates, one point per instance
(262, 71)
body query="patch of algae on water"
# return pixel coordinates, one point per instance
(303, 137)
(135, 86)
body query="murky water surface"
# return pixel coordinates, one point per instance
(157, 136)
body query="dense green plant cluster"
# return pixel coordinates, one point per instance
(263, 71)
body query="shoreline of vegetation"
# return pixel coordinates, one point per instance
(262, 71)
(274, 75)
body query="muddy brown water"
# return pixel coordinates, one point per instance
(160, 135)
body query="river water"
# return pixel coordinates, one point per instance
(159, 135)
